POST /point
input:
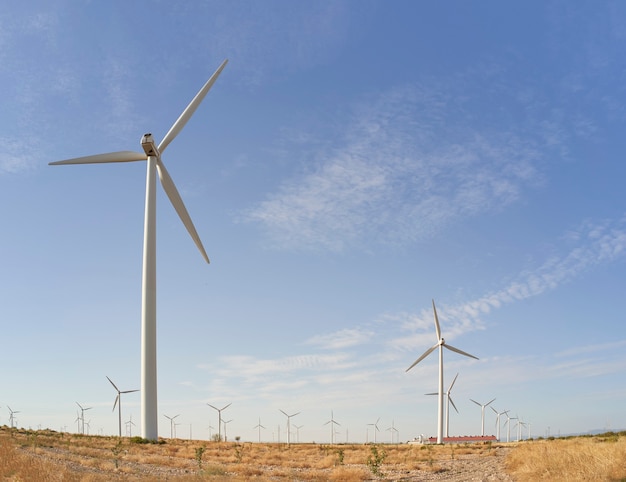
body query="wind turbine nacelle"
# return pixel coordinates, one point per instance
(149, 147)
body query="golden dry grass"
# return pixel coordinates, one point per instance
(51, 456)
(580, 458)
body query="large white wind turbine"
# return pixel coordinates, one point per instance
(441, 343)
(482, 415)
(152, 154)
(118, 402)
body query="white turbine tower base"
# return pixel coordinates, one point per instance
(441, 343)
(152, 154)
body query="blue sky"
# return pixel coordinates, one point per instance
(354, 161)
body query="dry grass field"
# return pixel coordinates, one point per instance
(52, 456)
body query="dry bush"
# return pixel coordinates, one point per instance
(582, 458)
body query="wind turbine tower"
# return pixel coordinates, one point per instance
(152, 154)
(482, 415)
(441, 343)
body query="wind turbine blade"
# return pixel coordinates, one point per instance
(130, 391)
(433, 393)
(179, 206)
(476, 402)
(494, 410)
(227, 406)
(428, 352)
(437, 327)
(452, 384)
(121, 156)
(489, 402)
(115, 402)
(450, 398)
(450, 347)
(114, 386)
(191, 108)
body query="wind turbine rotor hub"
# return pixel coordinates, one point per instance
(149, 147)
(442, 341)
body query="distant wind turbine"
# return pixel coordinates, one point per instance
(225, 422)
(152, 154)
(441, 343)
(171, 419)
(482, 415)
(332, 422)
(118, 402)
(259, 426)
(219, 420)
(392, 429)
(448, 402)
(375, 425)
(508, 426)
(288, 424)
(129, 425)
(12, 420)
(498, 414)
(82, 416)
(298, 427)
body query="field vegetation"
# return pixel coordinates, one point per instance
(46, 455)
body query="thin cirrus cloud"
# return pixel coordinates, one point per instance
(595, 243)
(406, 166)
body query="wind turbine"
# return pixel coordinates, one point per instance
(332, 422)
(225, 422)
(82, 416)
(118, 402)
(441, 343)
(152, 154)
(375, 425)
(288, 425)
(12, 413)
(129, 425)
(259, 426)
(171, 419)
(298, 427)
(482, 415)
(498, 420)
(219, 420)
(392, 429)
(508, 426)
(448, 402)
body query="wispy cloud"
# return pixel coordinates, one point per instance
(409, 163)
